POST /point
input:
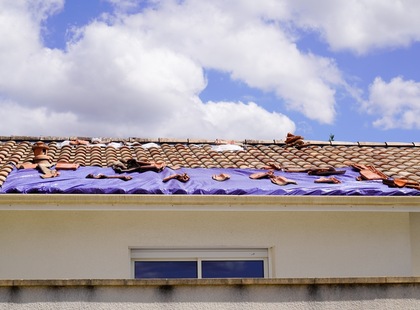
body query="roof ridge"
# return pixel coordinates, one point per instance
(204, 141)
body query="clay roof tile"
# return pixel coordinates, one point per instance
(402, 159)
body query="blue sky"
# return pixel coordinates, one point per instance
(219, 70)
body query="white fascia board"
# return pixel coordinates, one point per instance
(101, 202)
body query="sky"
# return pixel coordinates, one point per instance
(236, 70)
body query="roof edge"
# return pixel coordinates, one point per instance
(104, 202)
(205, 141)
(209, 282)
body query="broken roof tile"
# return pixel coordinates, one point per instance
(400, 159)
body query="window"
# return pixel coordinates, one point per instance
(199, 263)
(165, 269)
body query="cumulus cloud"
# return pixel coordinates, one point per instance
(225, 118)
(36, 121)
(114, 79)
(397, 103)
(360, 26)
(126, 6)
(258, 52)
(139, 70)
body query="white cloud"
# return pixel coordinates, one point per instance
(36, 121)
(360, 25)
(142, 73)
(124, 6)
(226, 119)
(138, 75)
(251, 48)
(397, 103)
(110, 81)
(41, 9)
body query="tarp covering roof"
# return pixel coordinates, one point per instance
(200, 183)
(396, 164)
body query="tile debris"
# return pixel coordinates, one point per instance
(395, 163)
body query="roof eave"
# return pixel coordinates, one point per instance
(103, 202)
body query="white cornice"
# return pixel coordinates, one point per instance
(63, 202)
(209, 282)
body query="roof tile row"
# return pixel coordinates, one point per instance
(396, 160)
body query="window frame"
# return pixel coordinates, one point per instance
(201, 254)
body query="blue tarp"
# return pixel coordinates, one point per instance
(200, 183)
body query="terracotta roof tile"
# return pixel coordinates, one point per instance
(399, 144)
(371, 143)
(393, 158)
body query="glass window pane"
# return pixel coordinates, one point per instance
(165, 269)
(233, 269)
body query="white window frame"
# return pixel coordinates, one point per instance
(201, 254)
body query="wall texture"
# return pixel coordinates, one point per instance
(96, 244)
(415, 242)
(213, 295)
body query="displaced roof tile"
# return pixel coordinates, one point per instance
(402, 159)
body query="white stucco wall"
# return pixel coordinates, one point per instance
(415, 242)
(214, 297)
(95, 244)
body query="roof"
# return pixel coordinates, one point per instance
(394, 160)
